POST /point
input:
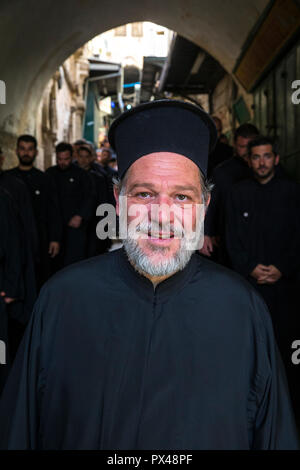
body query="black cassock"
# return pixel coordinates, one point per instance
(76, 197)
(223, 177)
(47, 215)
(11, 275)
(96, 246)
(20, 311)
(110, 363)
(220, 153)
(263, 227)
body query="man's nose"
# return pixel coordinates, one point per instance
(165, 213)
(261, 161)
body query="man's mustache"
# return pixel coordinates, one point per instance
(159, 230)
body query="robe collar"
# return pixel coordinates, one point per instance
(144, 287)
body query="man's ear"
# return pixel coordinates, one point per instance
(117, 195)
(277, 158)
(207, 202)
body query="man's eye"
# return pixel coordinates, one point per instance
(144, 195)
(182, 197)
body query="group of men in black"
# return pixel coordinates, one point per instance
(252, 226)
(48, 221)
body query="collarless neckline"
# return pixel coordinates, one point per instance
(144, 287)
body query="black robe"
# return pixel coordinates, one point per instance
(20, 196)
(109, 174)
(224, 176)
(11, 274)
(76, 196)
(263, 227)
(220, 153)
(47, 215)
(96, 246)
(110, 363)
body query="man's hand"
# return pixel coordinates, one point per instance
(266, 274)
(75, 221)
(208, 247)
(53, 249)
(7, 300)
(274, 274)
(260, 273)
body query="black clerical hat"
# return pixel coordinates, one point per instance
(163, 126)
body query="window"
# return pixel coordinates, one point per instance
(137, 29)
(121, 30)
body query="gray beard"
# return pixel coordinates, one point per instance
(163, 267)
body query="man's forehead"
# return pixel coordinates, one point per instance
(166, 162)
(24, 143)
(266, 148)
(164, 170)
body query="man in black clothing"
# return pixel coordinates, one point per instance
(11, 275)
(263, 242)
(85, 160)
(45, 205)
(223, 177)
(221, 151)
(110, 172)
(76, 198)
(20, 310)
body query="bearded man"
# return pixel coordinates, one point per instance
(151, 346)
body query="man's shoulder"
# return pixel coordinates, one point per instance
(220, 275)
(11, 177)
(80, 171)
(98, 269)
(38, 172)
(287, 183)
(224, 170)
(228, 293)
(12, 171)
(51, 170)
(244, 185)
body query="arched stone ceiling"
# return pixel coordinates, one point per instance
(37, 36)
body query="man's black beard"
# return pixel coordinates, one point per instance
(26, 162)
(264, 177)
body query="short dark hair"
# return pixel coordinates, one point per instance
(27, 138)
(80, 142)
(64, 147)
(86, 149)
(262, 140)
(246, 130)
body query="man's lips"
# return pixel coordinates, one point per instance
(160, 236)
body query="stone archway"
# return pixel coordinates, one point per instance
(38, 36)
